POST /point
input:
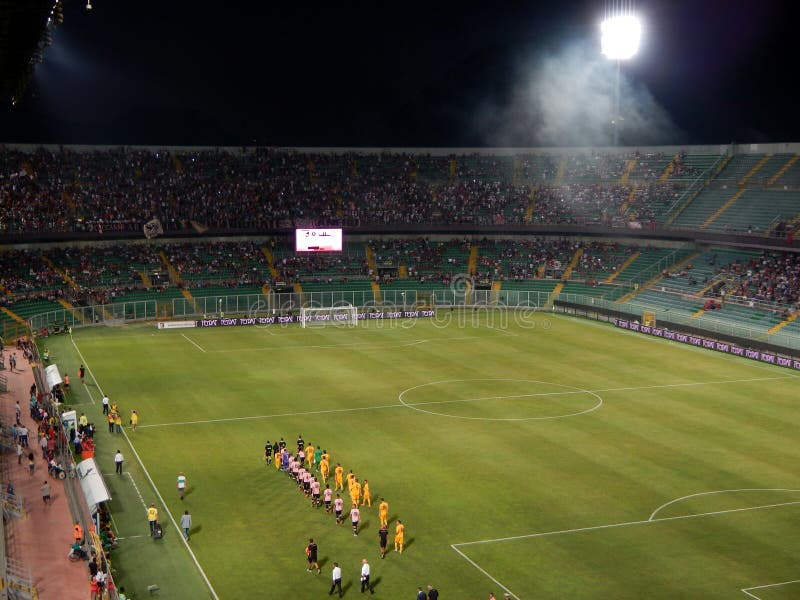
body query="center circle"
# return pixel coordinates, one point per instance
(511, 396)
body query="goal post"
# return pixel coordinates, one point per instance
(344, 315)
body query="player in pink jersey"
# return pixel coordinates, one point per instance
(338, 506)
(355, 516)
(314, 492)
(327, 497)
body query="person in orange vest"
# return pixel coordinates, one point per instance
(78, 533)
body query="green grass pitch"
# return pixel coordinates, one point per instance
(483, 436)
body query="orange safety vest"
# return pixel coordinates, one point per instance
(78, 532)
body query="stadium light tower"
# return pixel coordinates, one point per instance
(620, 34)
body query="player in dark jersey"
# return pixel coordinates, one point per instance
(267, 453)
(311, 555)
(383, 535)
(300, 442)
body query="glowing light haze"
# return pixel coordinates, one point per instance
(620, 37)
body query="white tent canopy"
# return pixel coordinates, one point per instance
(92, 483)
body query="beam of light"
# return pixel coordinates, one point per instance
(620, 37)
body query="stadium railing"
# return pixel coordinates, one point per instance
(398, 299)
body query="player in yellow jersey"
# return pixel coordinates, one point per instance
(277, 460)
(355, 492)
(383, 512)
(310, 455)
(399, 530)
(339, 474)
(350, 479)
(324, 468)
(366, 497)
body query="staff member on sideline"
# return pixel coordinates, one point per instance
(152, 518)
(336, 579)
(365, 576)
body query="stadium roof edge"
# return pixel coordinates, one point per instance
(771, 148)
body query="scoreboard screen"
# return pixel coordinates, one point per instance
(318, 240)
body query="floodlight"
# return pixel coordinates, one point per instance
(620, 37)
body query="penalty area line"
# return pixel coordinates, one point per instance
(482, 570)
(627, 524)
(193, 343)
(769, 585)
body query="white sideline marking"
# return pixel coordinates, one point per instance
(407, 404)
(626, 524)
(769, 585)
(150, 480)
(663, 506)
(193, 343)
(482, 570)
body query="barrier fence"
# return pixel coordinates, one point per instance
(255, 305)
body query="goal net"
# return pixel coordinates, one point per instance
(319, 316)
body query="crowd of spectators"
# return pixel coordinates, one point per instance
(773, 277)
(100, 274)
(107, 190)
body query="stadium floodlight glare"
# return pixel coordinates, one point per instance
(620, 37)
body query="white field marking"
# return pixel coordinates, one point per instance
(114, 523)
(136, 487)
(415, 343)
(769, 585)
(626, 524)
(671, 385)
(582, 391)
(152, 483)
(411, 405)
(193, 343)
(663, 506)
(414, 406)
(482, 570)
(132, 537)
(273, 416)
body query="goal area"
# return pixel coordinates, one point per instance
(321, 316)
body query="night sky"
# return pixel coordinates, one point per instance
(393, 74)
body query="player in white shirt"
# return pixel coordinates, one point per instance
(181, 484)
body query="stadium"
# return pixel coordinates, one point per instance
(570, 371)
